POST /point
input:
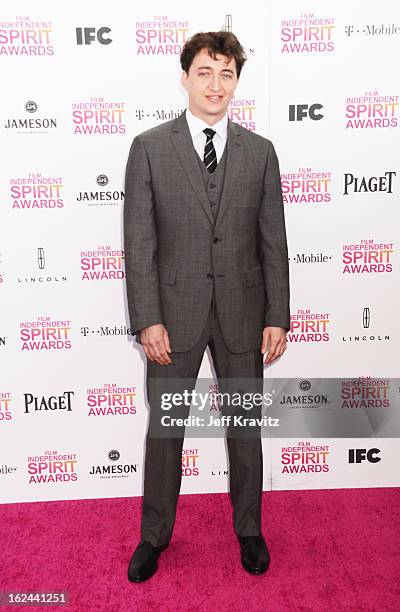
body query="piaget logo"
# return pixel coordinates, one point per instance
(30, 123)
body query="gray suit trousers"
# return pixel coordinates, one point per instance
(163, 457)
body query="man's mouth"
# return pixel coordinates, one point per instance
(214, 98)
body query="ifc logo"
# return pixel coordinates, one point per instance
(304, 385)
(31, 107)
(102, 180)
(113, 455)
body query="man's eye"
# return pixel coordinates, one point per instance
(227, 75)
(203, 73)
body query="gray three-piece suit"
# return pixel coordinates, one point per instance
(206, 255)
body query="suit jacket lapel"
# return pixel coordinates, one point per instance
(234, 155)
(186, 153)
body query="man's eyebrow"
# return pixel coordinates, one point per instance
(209, 68)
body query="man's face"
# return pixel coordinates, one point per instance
(210, 85)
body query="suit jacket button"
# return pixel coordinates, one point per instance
(209, 275)
(216, 239)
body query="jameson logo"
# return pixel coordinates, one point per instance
(101, 197)
(114, 469)
(31, 123)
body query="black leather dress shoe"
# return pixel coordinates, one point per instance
(143, 563)
(254, 554)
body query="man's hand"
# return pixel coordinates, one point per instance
(156, 344)
(274, 341)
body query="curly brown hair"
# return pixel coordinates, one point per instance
(222, 42)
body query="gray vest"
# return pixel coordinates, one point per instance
(214, 182)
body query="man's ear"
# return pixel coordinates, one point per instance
(184, 78)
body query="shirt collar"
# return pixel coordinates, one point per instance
(197, 125)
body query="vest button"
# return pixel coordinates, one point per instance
(212, 185)
(209, 275)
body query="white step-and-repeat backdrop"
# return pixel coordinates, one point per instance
(322, 81)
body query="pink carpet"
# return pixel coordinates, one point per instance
(331, 550)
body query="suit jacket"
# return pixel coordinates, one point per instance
(175, 253)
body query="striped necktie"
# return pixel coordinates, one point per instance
(210, 156)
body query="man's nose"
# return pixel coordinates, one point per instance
(215, 84)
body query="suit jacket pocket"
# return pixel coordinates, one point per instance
(166, 275)
(254, 276)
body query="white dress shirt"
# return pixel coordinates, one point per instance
(196, 127)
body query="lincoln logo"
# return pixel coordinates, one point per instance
(228, 23)
(41, 260)
(366, 317)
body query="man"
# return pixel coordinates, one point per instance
(206, 265)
